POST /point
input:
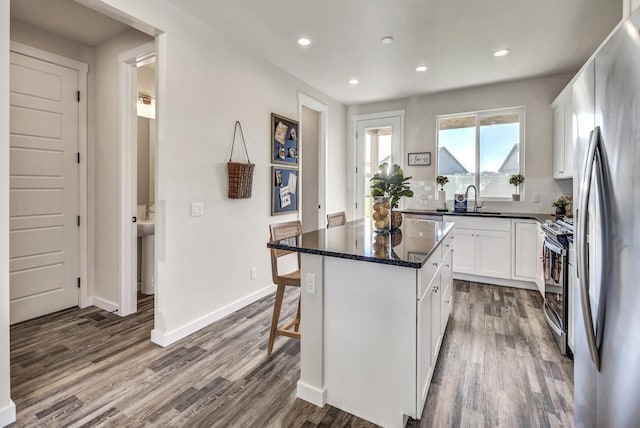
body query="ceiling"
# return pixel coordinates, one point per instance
(89, 27)
(454, 38)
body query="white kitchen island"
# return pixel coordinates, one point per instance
(374, 311)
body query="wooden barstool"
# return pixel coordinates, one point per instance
(278, 232)
(336, 219)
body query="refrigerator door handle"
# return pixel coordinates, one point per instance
(582, 253)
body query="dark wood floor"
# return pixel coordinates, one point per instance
(498, 367)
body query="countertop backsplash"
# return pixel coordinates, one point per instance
(549, 190)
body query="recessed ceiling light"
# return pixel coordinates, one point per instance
(386, 40)
(421, 68)
(501, 52)
(303, 41)
(353, 82)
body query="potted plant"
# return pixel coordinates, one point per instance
(442, 195)
(391, 182)
(561, 205)
(516, 180)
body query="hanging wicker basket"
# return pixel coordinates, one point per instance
(240, 174)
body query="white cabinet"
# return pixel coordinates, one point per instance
(540, 261)
(563, 134)
(525, 250)
(424, 349)
(483, 246)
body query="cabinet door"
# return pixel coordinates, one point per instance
(493, 253)
(436, 331)
(526, 251)
(558, 142)
(464, 261)
(446, 289)
(424, 350)
(539, 266)
(568, 139)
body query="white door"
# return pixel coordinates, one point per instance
(44, 258)
(493, 253)
(465, 259)
(377, 140)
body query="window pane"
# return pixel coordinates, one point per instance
(457, 152)
(499, 153)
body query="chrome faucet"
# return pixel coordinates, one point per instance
(475, 196)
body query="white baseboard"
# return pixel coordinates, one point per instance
(8, 414)
(312, 394)
(103, 304)
(166, 339)
(515, 283)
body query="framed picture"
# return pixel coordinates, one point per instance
(415, 257)
(284, 190)
(420, 159)
(284, 140)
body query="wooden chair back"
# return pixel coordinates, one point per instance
(278, 232)
(336, 219)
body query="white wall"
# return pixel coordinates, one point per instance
(204, 262)
(420, 132)
(309, 127)
(7, 411)
(104, 168)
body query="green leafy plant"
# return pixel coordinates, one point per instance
(390, 181)
(561, 202)
(442, 180)
(516, 179)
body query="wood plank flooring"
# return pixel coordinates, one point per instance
(499, 366)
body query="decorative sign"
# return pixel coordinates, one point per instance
(420, 159)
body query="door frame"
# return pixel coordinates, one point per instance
(128, 168)
(323, 110)
(82, 68)
(382, 115)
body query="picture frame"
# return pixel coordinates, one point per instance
(284, 190)
(419, 159)
(415, 257)
(284, 140)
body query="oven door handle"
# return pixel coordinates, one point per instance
(550, 319)
(553, 247)
(582, 247)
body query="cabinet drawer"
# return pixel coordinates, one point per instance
(480, 223)
(447, 244)
(429, 270)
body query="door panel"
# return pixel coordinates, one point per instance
(44, 259)
(464, 261)
(493, 254)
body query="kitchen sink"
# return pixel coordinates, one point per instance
(478, 213)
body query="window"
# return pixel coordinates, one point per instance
(482, 149)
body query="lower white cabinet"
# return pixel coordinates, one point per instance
(483, 246)
(539, 260)
(433, 309)
(525, 250)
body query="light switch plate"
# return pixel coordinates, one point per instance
(197, 209)
(311, 283)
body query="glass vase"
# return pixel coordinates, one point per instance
(381, 214)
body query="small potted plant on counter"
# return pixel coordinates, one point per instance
(561, 205)
(516, 180)
(442, 195)
(391, 182)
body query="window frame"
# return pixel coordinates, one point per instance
(479, 114)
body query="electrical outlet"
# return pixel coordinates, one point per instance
(197, 209)
(254, 273)
(536, 197)
(311, 283)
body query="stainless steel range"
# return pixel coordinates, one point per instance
(556, 269)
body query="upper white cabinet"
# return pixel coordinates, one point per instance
(563, 134)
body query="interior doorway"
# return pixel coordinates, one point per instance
(313, 162)
(379, 139)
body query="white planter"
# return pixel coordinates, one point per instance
(516, 196)
(442, 199)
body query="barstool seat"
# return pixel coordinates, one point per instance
(278, 232)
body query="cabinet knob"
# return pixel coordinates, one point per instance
(446, 301)
(435, 263)
(446, 266)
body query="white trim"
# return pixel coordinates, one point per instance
(166, 339)
(374, 116)
(312, 394)
(8, 414)
(527, 285)
(128, 173)
(103, 304)
(83, 240)
(323, 109)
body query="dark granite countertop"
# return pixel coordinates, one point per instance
(540, 217)
(410, 246)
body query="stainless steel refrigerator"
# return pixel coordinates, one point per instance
(606, 100)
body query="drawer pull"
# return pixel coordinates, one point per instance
(447, 266)
(435, 264)
(446, 301)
